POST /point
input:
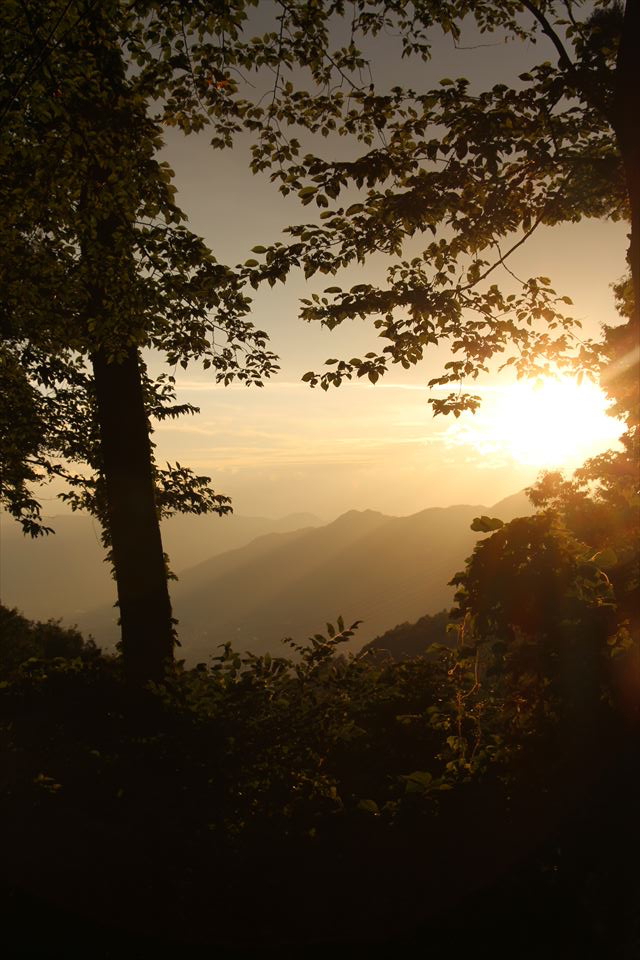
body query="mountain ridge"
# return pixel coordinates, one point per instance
(363, 565)
(68, 567)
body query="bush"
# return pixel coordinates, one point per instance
(311, 798)
(22, 640)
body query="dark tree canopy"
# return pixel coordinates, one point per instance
(99, 269)
(83, 192)
(476, 170)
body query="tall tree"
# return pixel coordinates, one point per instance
(99, 268)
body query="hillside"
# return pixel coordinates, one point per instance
(408, 640)
(364, 566)
(64, 575)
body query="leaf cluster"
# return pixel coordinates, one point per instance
(98, 259)
(481, 170)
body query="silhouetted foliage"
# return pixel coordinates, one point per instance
(270, 800)
(22, 640)
(98, 268)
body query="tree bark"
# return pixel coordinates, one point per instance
(111, 124)
(138, 559)
(627, 129)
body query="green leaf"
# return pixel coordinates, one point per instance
(486, 524)
(605, 559)
(417, 782)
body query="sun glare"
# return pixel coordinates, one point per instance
(547, 423)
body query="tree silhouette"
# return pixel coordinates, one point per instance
(98, 269)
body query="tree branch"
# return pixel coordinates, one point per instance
(579, 76)
(506, 255)
(547, 29)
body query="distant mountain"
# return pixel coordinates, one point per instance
(190, 539)
(516, 505)
(263, 579)
(64, 575)
(365, 565)
(411, 639)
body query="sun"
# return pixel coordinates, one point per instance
(553, 422)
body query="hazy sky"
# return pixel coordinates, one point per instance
(288, 447)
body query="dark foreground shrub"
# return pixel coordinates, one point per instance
(315, 800)
(22, 639)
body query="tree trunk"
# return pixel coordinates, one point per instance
(138, 560)
(627, 129)
(623, 371)
(112, 145)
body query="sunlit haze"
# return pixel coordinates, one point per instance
(547, 423)
(288, 448)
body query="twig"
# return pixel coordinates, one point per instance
(505, 256)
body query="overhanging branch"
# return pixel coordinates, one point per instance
(547, 29)
(579, 77)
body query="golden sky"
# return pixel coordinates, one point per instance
(288, 448)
